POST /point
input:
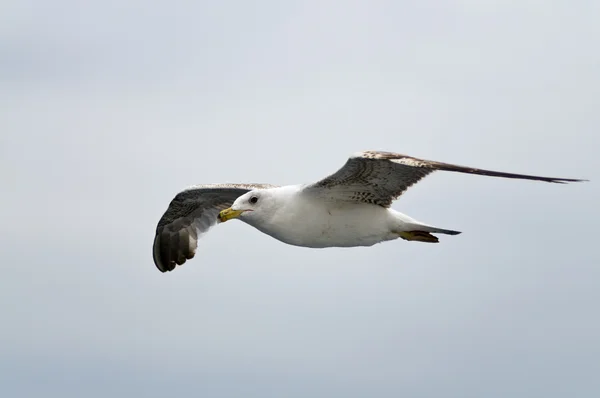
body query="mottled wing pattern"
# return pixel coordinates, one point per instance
(190, 214)
(380, 177)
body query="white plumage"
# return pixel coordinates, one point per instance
(348, 208)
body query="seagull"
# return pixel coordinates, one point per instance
(349, 208)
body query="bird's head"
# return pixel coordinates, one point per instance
(250, 206)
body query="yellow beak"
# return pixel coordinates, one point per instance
(228, 214)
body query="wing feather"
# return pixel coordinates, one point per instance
(380, 177)
(190, 215)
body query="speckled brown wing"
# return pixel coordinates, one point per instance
(189, 215)
(380, 177)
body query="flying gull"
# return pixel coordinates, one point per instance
(348, 208)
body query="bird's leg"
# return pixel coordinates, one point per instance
(419, 236)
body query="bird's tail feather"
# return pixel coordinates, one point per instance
(436, 230)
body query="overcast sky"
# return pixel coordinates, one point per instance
(109, 108)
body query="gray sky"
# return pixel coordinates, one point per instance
(108, 109)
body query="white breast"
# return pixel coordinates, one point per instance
(315, 223)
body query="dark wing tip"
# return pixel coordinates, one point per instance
(171, 249)
(163, 263)
(566, 180)
(502, 174)
(552, 180)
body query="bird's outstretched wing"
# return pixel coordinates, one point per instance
(381, 177)
(189, 215)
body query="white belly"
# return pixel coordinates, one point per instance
(336, 225)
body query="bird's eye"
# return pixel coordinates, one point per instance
(253, 199)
